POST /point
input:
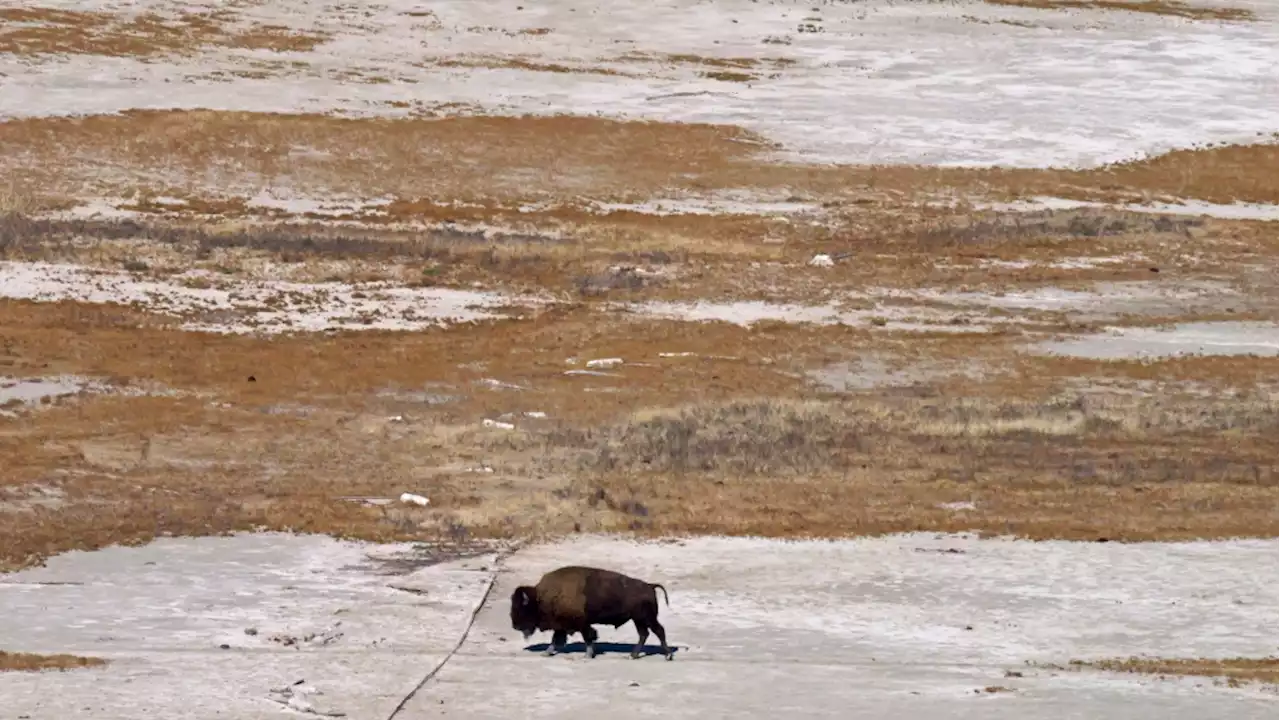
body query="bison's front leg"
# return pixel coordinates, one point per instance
(589, 637)
(558, 639)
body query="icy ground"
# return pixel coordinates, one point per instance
(877, 81)
(909, 625)
(210, 302)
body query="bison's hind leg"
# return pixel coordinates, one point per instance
(589, 639)
(661, 633)
(558, 639)
(643, 631)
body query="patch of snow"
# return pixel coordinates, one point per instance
(962, 83)
(604, 362)
(497, 424)
(1102, 300)
(823, 261)
(750, 312)
(869, 371)
(187, 626)
(1235, 211)
(334, 207)
(708, 206)
(254, 306)
(907, 625)
(1194, 338)
(35, 391)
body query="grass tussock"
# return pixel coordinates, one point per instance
(33, 31)
(33, 662)
(1234, 670)
(1171, 8)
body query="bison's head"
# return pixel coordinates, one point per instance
(524, 610)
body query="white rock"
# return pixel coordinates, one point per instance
(604, 362)
(535, 414)
(408, 498)
(498, 424)
(821, 261)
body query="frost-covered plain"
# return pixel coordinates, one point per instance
(208, 302)
(1203, 338)
(955, 83)
(908, 624)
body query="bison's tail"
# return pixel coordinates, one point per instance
(664, 592)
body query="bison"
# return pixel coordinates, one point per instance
(572, 599)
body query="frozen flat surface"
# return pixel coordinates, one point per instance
(160, 614)
(1235, 211)
(213, 303)
(1197, 338)
(908, 625)
(879, 81)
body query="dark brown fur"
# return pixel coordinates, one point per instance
(572, 599)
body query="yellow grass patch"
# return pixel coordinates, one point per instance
(1155, 7)
(1234, 670)
(33, 662)
(48, 31)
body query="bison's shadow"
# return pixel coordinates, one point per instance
(602, 648)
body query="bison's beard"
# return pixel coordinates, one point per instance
(527, 634)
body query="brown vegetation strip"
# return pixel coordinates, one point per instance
(45, 31)
(1235, 670)
(730, 440)
(533, 159)
(33, 662)
(1154, 7)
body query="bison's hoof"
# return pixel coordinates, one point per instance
(635, 656)
(670, 657)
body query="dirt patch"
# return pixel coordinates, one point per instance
(47, 31)
(32, 662)
(1154, 7)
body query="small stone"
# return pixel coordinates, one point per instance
(250, 632)
(225, 646)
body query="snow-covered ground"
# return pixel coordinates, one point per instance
(1196, 338)
(210, 302)
(956, 83)
(911, 625)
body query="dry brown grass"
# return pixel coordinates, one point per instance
(497, 62)
(1155, 7)
(1233, 670)
(33, 662)
(45, 31)
(733, 439)
(508, 161)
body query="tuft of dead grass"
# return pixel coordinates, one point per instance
(1233, 670)
(1171, 8)
(33, 662)
(34, 31)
